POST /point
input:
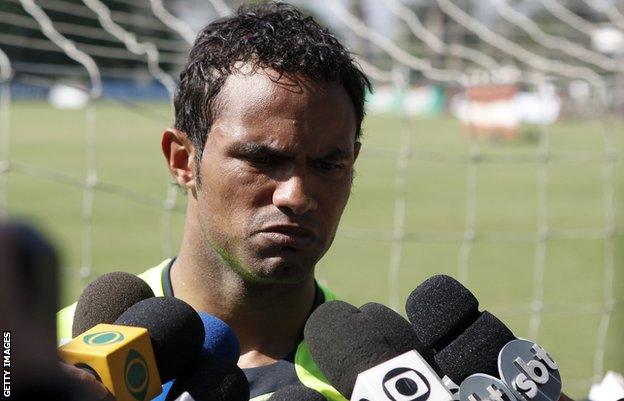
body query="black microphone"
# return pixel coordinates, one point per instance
(150, 343)
(475, 348)
(344, 341)
(106, 298)
(445, 316)
(370, 353)
(211, 378)
(176, 331)
(297, 392)
(440, 309)
(394, 327)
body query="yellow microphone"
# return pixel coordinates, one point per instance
(151, 343)
(120, 357)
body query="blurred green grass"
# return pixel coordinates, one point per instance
(127, 235)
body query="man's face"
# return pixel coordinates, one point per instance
(276, 174)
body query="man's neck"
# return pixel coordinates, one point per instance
(268, 319)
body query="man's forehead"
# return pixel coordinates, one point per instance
(262, 107)
(255, 72)
(256, 140)
(257, 86)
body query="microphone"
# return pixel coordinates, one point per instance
(371, 354)
(393, 326)
(445, 316)
(440, 309)
(474, 348)
(211, 378)
(176, 331)
(106, 298)
(153, 340)
(220, 339)
(296, 392)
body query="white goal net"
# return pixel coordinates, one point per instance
(492, 151)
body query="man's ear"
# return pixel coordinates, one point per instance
(179, 154)
(356, 149)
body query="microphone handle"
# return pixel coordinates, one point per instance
(89, 369)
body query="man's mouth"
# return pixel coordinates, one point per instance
(288, 236)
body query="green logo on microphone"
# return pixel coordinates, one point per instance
(136, 375)
(103, 338)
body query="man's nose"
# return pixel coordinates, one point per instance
(292, 194)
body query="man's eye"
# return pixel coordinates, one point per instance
(262, 160)
(329, 167)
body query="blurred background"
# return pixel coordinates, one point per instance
(492, 152)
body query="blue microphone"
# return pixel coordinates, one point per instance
(219, 341)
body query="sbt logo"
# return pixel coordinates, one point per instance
(482, 387)
(405, 384)
(533, 372)
(529, 371)
(494, 393)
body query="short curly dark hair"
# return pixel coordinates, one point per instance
(271, 35)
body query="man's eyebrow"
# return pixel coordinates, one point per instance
(337, 154)
(255, 149)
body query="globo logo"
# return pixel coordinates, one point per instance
(405, 384)
(102, 338)
(529, 371)
(136, 375)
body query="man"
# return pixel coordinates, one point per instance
(268, 118)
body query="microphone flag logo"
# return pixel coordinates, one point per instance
(406, 384)
(103, 338)
(484, 387)
(529, 371)
(136, 375)
(407, 377)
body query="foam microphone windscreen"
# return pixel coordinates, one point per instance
(176, 331)
(396, 330)
(297, 392)
(344, 341)
(476, 349)
(211, 378)
(106, 298)
(220, 339)
(440, 309)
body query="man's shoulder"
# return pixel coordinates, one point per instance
(306, 370)
(153, 277)
(65, 317)
(328, 294)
